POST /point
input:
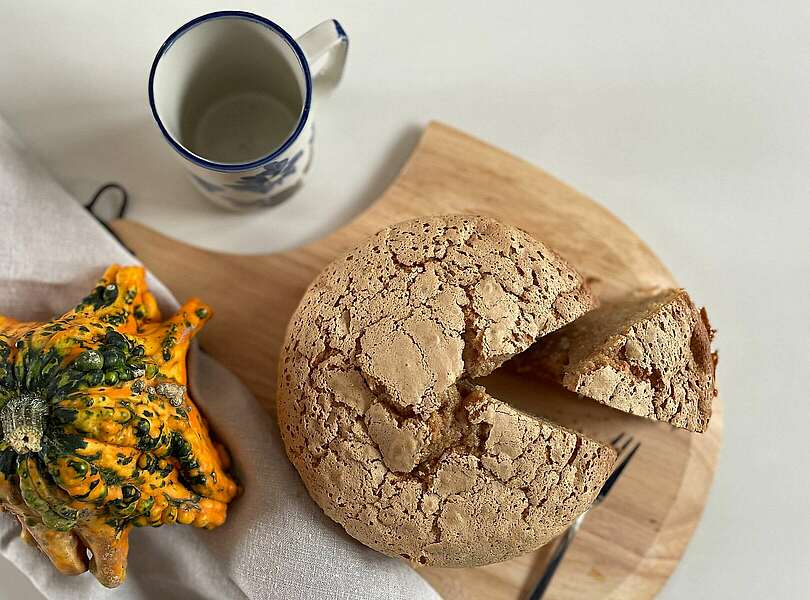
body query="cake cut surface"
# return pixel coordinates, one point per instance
(649, 356)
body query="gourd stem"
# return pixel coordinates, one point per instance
(23, 421)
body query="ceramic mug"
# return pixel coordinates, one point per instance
(233, 94)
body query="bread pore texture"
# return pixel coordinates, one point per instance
(378, 413)
(648, 356)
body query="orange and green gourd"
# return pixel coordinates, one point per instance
(99, 433)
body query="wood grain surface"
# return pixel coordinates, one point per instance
(628, 546)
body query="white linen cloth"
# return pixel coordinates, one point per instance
(276, 542)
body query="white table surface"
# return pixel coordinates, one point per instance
(688, 121)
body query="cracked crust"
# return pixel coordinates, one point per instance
(377, 414)
(649, 357)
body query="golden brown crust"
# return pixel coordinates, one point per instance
(375, 414)
(646, 356)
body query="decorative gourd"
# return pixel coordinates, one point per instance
(98, 431)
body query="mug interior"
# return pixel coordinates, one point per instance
(230, 89)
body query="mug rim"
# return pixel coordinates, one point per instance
(302, 119)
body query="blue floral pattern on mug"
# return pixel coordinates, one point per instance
(272, 175)
(266, 185)
(269, 178)
(207, 185)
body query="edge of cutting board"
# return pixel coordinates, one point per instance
(629, 546)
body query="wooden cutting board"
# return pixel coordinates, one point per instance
(629, 545)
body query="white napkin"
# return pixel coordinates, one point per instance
(276, 543)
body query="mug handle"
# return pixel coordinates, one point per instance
(325, 47)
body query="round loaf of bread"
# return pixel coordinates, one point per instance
(378, 413)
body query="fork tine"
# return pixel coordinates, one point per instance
(626, 443)
(624, 460)
(556, 557)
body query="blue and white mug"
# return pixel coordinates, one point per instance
(233, 94)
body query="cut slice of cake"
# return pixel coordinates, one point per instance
(649, 357)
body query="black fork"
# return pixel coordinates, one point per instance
(624, 446)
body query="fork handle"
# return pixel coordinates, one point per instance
(556, 559)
